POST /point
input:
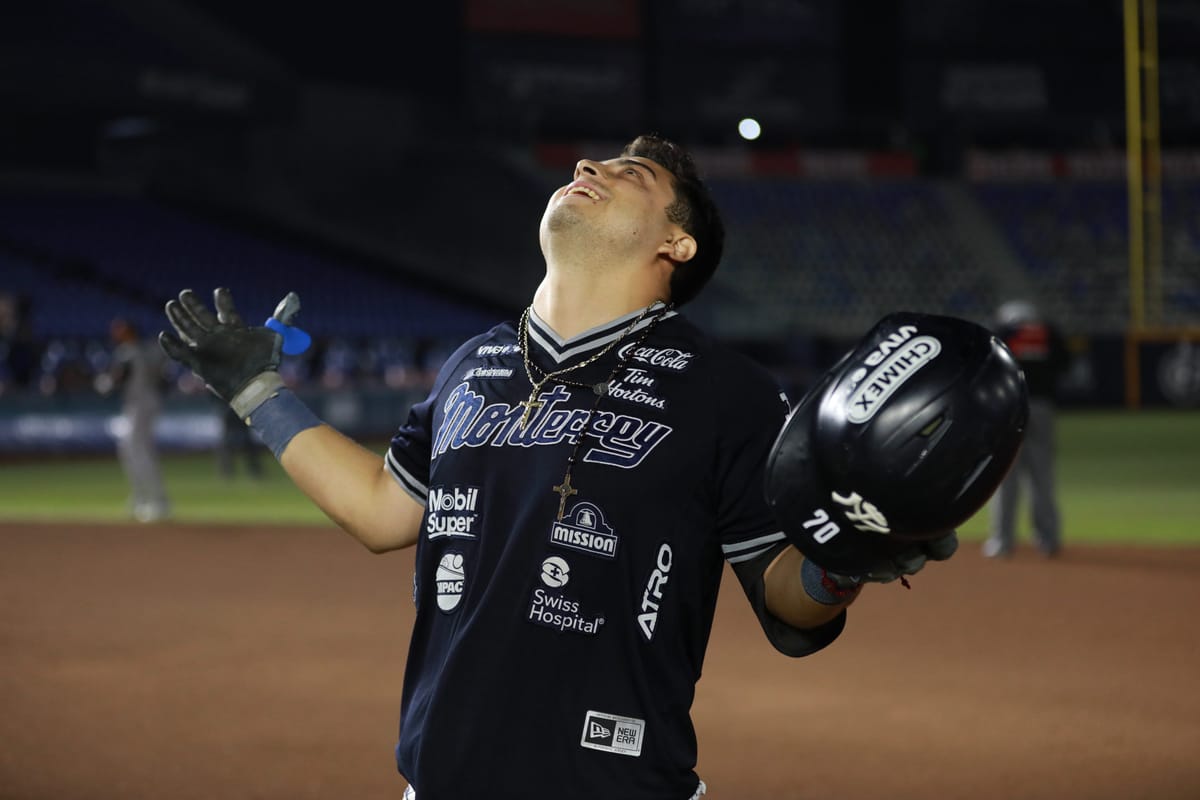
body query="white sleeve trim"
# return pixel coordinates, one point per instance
(751, 548)
(416, 489)
(770, 538)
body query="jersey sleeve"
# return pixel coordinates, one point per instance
(750, 538)
(411, 450)
(408, 456)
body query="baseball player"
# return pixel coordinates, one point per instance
(1042, 354)
(137, 372)
(574, 485)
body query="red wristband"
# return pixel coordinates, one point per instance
(840, 592)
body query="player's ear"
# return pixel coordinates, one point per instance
(679, 246)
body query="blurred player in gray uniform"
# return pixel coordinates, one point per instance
(137, 372)
(1039, 349)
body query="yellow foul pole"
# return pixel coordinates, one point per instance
(1152, 142)
(1143, 148)
(1133, 158)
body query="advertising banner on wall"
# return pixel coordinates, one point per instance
(555, 87)
(807, 23)
(788, 94)
(613, 19)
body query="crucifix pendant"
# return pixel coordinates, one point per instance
(564, 490)
(531, 405)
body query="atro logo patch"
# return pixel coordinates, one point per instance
(585, 530)
(451, 512)
(613, 734)
(449, 580)
(653, 594)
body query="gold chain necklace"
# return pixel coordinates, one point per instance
(534, 402)
(565, 489)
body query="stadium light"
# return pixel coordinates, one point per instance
(749, 129)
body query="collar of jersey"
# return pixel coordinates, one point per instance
(560, 350)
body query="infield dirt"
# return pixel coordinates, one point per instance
(186, 661)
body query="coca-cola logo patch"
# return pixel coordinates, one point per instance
(671, 358)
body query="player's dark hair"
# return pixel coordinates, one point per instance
(693, 210)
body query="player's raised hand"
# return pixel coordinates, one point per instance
(237, 362)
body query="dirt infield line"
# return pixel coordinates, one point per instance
(191, 661)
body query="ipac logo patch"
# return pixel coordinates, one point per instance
(585, 530)
(449, 580)
(613, 734)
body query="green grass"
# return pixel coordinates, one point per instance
(1122, 478)
(94, 488)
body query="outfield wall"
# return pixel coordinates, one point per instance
(1165, 373)
(88, 423)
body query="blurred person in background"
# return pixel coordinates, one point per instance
(1039, 348)
(237, 440)
(137, 372)
(18, 355)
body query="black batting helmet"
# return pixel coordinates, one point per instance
(904, 439)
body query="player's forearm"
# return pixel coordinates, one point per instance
(787, 598)
(349, 483)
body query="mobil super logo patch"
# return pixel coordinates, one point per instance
(451, 512)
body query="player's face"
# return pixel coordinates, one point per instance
(624, 199)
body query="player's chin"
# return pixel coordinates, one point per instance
(561, 215)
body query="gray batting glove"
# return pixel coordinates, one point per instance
(907, 561)
(238, 363)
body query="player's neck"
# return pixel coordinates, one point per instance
(576, 303)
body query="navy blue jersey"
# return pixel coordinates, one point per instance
(558, 657)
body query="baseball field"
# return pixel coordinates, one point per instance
(248, 649)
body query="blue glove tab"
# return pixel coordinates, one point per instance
(295, 341)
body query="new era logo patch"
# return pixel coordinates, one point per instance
(613, 734)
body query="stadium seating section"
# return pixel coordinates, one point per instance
(803, 257)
